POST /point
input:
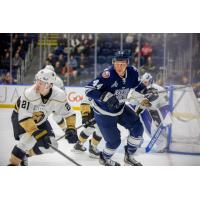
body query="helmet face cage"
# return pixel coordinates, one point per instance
(121, 56)
(147, 77)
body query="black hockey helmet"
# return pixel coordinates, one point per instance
(121, 56)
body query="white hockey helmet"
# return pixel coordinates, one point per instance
(50, 67)
(147, 77)
(46, 76)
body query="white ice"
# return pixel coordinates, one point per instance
(147, 159)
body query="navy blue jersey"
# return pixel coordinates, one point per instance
(110, 81)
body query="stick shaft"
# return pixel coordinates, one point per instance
(64, 155)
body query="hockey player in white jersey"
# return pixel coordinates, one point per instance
(90, 128)
(29, 118)
(139, 100)
(158, 109)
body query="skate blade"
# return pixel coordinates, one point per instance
(93, 156)
(77, 151)
(130, 164)
(126, 164)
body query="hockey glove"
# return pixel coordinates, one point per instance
(87, 121)
(145, 103)
(71, 135)
(110, 99)
(42, 137)
(151, 94)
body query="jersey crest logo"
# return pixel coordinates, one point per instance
(115, 84)
(38, 116)
(106, 74)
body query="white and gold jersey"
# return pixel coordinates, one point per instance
(32, 104)
(135, 97)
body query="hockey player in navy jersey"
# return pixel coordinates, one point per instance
(109, 92)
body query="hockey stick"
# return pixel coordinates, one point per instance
(92, 120)
(159, 92)
(64, 155)
(155, 137)
(161, 126)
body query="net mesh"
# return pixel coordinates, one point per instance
(185, 135)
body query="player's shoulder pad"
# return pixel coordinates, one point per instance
(132, 68)
(58, 95)
(107, 73)
(158, 87)
(30, 94)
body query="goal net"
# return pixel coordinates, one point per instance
(184, 135)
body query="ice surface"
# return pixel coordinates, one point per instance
(147, 159)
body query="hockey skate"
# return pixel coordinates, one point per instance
(107, 162)
(129, 159)
(24, 161)
(93, 151)
(78, 147)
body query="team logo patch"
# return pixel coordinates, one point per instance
(106, 74)
(115, 84)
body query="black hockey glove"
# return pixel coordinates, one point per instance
(42, 137)
(110, 99)
(46, 141)
(71, 135)
(87, 121)
(151, 94)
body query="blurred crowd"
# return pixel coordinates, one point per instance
(146, 53)
(71, 61)
(74, 57)
(14, 56)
